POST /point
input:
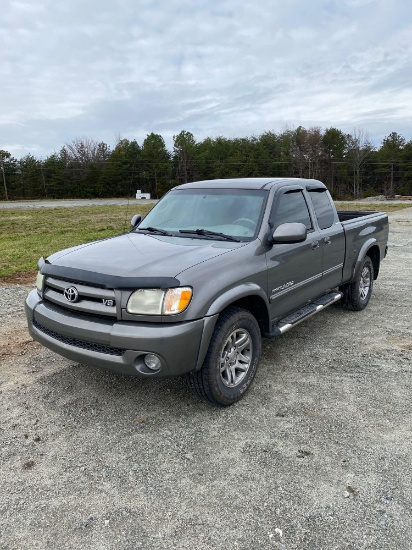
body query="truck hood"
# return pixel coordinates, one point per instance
(140, 255)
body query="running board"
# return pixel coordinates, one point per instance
(302, 314)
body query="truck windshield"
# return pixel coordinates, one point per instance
(233, 212)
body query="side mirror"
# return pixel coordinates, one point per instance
(289, 233)
(137, 218)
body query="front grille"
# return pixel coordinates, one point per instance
(91, 300)
(99, 348)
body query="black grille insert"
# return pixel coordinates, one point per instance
(99, 348)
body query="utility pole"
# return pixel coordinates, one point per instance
(42, 175)
(4, 181)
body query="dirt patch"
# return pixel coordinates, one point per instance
(16, 342)
(24, 278)
(402, 343)
(22, 360)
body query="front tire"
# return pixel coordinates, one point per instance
(356, 295)
(232, 359)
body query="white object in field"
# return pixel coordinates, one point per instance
(140, 195)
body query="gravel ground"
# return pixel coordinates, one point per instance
(317, 455)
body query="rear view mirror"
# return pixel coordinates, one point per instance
(289, 233)
(137, 218)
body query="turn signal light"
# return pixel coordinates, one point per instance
(176, 300)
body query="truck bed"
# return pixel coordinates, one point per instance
(347, 215)
(358, 226)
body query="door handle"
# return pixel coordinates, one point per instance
(327, 240)
(315, 245)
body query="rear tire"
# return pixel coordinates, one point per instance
(231, 360)
(356, 295)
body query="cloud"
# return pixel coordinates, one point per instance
(214, 68)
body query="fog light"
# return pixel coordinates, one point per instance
(152, 362)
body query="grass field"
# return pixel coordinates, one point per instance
(25, 235)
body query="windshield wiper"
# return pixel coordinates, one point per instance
(155, 230)
(207, 233)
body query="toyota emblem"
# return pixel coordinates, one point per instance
(71, 294)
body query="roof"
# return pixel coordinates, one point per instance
(247, 183)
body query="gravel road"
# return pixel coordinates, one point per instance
(30, 205)
(318, 455)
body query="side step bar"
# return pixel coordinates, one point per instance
(302, 314)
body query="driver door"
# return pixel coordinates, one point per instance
(294, 270)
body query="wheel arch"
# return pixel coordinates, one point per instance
(371, 249)
(374, 254)
(250, 297)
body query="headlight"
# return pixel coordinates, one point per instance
(146, 301)
(39, 282)
(159, 302)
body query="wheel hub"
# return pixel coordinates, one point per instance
(236, 358)
(364, 284)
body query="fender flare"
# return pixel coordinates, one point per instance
(362, 253)
(237, 293)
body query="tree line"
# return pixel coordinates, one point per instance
(348, 164)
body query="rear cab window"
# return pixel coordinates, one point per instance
(324, 211)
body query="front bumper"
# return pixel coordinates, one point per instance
(119, 346)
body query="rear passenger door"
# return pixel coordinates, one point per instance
(294, 270)
(332, 238)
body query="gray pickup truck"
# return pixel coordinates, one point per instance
(212, 268)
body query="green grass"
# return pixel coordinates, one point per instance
(25, 235)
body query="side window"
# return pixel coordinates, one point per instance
(323, 208)
(292, 207)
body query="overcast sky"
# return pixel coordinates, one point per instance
(105, 69)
